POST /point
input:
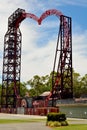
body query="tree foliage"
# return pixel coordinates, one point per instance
(40, 84)
(44, 83)
(79, 85)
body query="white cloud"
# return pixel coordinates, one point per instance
(79, 52)
(35, 59)
(39, 61)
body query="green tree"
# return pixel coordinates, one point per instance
(39, 84)
(76, 84)
(35, 84)
(23, 89)
(84, 85)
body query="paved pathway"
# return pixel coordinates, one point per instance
(25, 126)
(20, 116)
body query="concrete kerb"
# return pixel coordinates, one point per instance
(20, 116)
(76, 121)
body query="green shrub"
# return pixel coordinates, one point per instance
(53, 123)
(64, 123)
(56, 117)
(56, 120)
(57, 124)
(49, 123)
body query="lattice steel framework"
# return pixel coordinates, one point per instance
(61, 82)
(12, 61)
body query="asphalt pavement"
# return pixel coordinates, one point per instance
(25, 126)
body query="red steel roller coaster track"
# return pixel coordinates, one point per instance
(61, 80)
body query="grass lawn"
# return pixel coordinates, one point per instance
(5, 121)
(72, 127)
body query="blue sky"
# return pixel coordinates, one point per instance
(39, 41)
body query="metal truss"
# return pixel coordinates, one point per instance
(62, 81)
(12, 62)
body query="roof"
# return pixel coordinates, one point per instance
(45, 93)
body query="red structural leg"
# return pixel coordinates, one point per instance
(62, 82)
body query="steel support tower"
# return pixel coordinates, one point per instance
(12, 61)
(62, 80)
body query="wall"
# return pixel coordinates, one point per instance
(74, 110)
